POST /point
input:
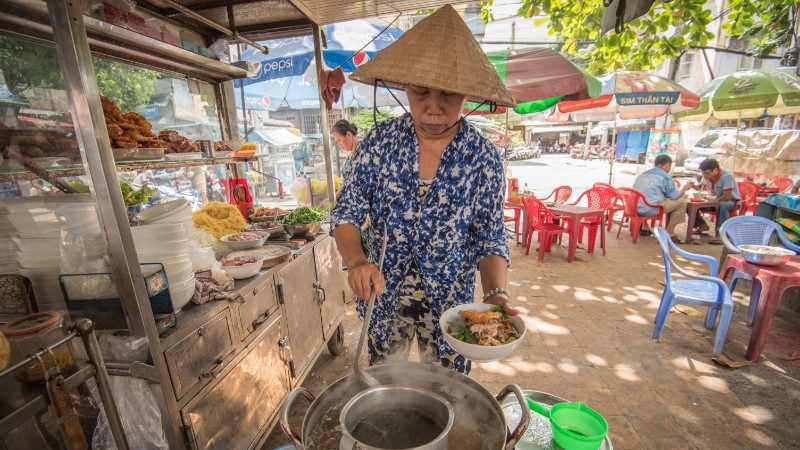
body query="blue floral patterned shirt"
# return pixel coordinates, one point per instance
(445, 232)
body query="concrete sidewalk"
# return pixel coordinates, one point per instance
(589, 326)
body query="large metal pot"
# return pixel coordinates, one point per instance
(478, 421)
(395, 417)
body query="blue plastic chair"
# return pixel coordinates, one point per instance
(751, 230)
(699, 290)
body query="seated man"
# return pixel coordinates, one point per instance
(659, 188)
(722, 187)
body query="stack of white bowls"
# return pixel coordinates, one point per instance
(38, 222)
(166, 243)
(175, 211)
(8, 256)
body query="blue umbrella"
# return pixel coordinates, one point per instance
(292, 56)
(301, 92)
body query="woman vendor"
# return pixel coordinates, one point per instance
(346, 136)
(432, 186)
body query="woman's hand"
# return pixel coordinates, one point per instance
(365, 278)
(503, 302)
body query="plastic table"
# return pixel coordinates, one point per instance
(523, 218)
(772, 281)
(575, 214)
(692, 208)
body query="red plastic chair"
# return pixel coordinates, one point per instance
(631, 198)
(560, 195)
(749, 193)
(541, 220)
(617, 205)
(596, 198)
(783, 184)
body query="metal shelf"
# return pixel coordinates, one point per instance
(28, 18)
(17, 174)
(20, 402)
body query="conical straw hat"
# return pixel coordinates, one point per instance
(438, 53)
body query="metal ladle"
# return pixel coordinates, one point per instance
(363, 377)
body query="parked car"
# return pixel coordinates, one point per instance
(705, 148)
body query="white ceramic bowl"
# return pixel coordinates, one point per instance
(155, 230)
(157, 249)
(479, 353)
(243, 245)
(37, 245)
(172, 211)
(175, 236)
(181, 277)
(244, 271)
(32, 262)
(181, 293)
(164, 258)
(40, 274)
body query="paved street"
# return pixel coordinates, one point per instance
(589, 326)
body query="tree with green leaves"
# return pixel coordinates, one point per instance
(364, 119)
(766, 24)
(665, 32)
(25, 66)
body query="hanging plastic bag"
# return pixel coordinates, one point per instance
(300, 191)
(222, 50)
(83, 250)
(136, 404)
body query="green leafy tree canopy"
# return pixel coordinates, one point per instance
(25, 65)
(766, 24)
(665, 32)
(364, 119)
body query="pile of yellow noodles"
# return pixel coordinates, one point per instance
(219, 219)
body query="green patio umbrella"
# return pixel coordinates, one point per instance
(539, 78)
(747, 94)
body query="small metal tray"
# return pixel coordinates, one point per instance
(538, 435)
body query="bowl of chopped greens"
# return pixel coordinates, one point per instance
(482, 332)
(304, 221)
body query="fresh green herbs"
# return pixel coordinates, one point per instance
(304, 215)
(136, 196)
(459, 328)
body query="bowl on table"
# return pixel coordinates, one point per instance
(765, 255)
(267, 229)
(475, 352)
(303, 230)
(245, 270)
(245, 244)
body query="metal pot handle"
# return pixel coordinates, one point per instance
(287, 404)
(515, 436)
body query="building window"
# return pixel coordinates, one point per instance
(686, 65)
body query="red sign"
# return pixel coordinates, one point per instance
(690, 100)
(580, 105)
(265, 101)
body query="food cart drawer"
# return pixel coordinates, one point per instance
(199, 357)
(232, 414)
(258, 304)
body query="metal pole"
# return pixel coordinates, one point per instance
(736, 141)
(614, 148)
(586, 143)
(505, 153)
(86, 330)
(244, 104)
(211, 24)
(72, 48)
(323, 117)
